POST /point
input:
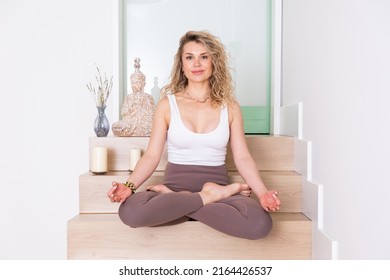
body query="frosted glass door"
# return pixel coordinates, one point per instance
(152, 29)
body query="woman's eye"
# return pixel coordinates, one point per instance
(205, 57)
(188, 57)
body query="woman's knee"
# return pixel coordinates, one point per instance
(260, 228)
(129, 215)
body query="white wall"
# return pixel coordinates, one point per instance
(48, 52)
(336, 61)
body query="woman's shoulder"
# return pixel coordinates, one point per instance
(163, 103)
(234, 110)
(162, 111)
(166, 97)
(233, 106)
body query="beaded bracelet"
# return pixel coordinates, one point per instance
(130, 186)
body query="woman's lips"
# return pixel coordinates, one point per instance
(197, 72)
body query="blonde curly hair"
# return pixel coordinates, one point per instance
(221, 83)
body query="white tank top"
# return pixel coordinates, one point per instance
(190, 148)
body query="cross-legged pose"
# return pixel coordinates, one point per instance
(197, 118)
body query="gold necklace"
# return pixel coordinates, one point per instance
(199, 101)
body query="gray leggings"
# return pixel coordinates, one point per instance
(238, 215)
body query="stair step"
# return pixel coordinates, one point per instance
(269, 152)
(104, 236)
(93, 189)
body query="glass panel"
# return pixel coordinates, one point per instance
(152, 29)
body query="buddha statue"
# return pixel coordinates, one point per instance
(137, 109)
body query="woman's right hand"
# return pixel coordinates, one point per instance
(119, 192)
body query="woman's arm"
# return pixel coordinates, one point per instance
(245, 164)
(151, 158)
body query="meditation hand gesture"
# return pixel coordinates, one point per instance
(119, 192)
(270, 201)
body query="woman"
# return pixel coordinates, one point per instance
(197, 118)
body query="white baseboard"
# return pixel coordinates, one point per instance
(323, 247)
(291, 120)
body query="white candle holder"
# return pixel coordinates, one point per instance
(99, 160)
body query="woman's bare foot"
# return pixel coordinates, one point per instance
(212, 192)
(246, 192)
(159, 188)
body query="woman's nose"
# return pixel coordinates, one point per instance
(197, 62)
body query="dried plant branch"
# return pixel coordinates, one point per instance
(102, 91)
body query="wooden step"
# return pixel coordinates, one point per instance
(269, 152)
(104, 236)
(93, 189)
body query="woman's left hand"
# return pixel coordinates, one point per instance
(270, 201)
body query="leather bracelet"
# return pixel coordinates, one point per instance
(130, 186)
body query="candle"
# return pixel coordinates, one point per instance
(99, 160)
(135, 155)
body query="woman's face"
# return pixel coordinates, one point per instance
(197, 62)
